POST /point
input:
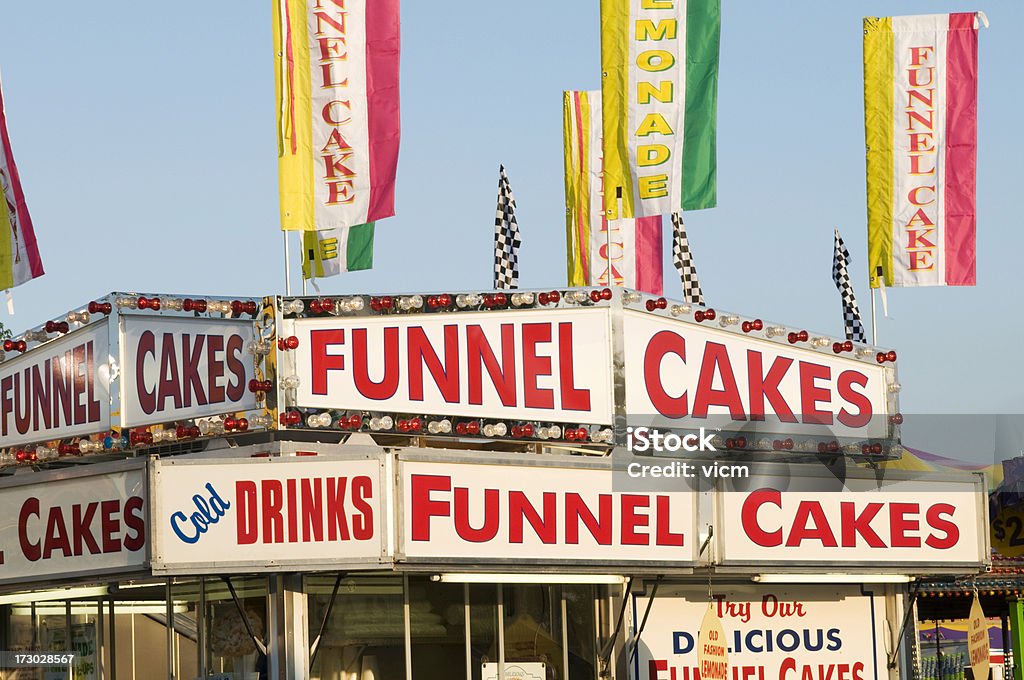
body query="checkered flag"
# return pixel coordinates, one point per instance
(851, 312)
(506, 238)
(684, 262)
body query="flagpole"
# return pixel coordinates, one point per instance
(874, 329)
(287, 266)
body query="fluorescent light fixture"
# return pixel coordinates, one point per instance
(595, 579)
(60, 594)
(77, 609)
(833, 578)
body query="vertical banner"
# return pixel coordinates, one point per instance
(920, 125)
(659, 62)
(626, 252)
(337, 89)
(19, 255)
(333, 251)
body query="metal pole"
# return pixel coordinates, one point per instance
(287, 266)
(565, 634)
(67, 633)
(407, 620)
(874, 326)
(112, 640)
(501, 631)
(169, 613)
(201, 628)
(469, 637)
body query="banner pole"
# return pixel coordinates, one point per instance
(874, 328)
(287, 266)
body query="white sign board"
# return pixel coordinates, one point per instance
(61, 389)
(929, 523)
(531, 365)
(705, 375)
(785, 633)
(182, 368)
(483, 513)
(74, 526)
(267, 513)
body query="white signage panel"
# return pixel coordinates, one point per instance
(784, 633)
(74, 526)
(500, 512)
(267, 513)
(60, 389)
(530, 365)
(927, 523)
(682, 371)
(182, 368)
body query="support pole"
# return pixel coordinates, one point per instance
(874, 325)
(287, 266)
(1017, 637)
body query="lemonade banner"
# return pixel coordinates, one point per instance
(659, 63)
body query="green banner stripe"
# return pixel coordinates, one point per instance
(700, 164)
(360, 247)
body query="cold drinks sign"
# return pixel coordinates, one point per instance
(268, 512)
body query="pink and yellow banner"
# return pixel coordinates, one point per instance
(19, 255)
(337, 85)
(626, 252)
(920, 120)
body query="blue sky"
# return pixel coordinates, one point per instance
(145, 137)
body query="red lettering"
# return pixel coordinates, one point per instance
(30, 550)
(421, 353)
(577, 511)
(900, 524)
(320, 360)
(489, 529)
(854, 525)
(423, 507)
(716, 362)
(110, 526)
(810, 523)
(663, 343)
(936, 520)
(748, 517)
(190, 370)
(312, 511)
(235, 389)
(134, 521)
(215, 367)
(247, 527)
(845, 384)
(811, 394)
(388, 385)
(362, 522)
(633, 518)
(337, 518)
(272, 497)
(767, 387)
(664, 535)
(479, 354)
(544, 527)
(573, 399)
(536, 366)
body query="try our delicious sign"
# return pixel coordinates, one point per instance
(182, 368)
(59, 390)
(785, 633)
(272, 513)
(502, 512)
(88, 524)
(933, 522)
(537, 365)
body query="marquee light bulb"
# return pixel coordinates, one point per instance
(174, 304)
(80, 318)
(439, 426)
(522, 299)
(495, 430)
(728, 320)
(319, 420)
(294, 306)
(679, 310)
(190, 305)
(100, 308)
(290, 382)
